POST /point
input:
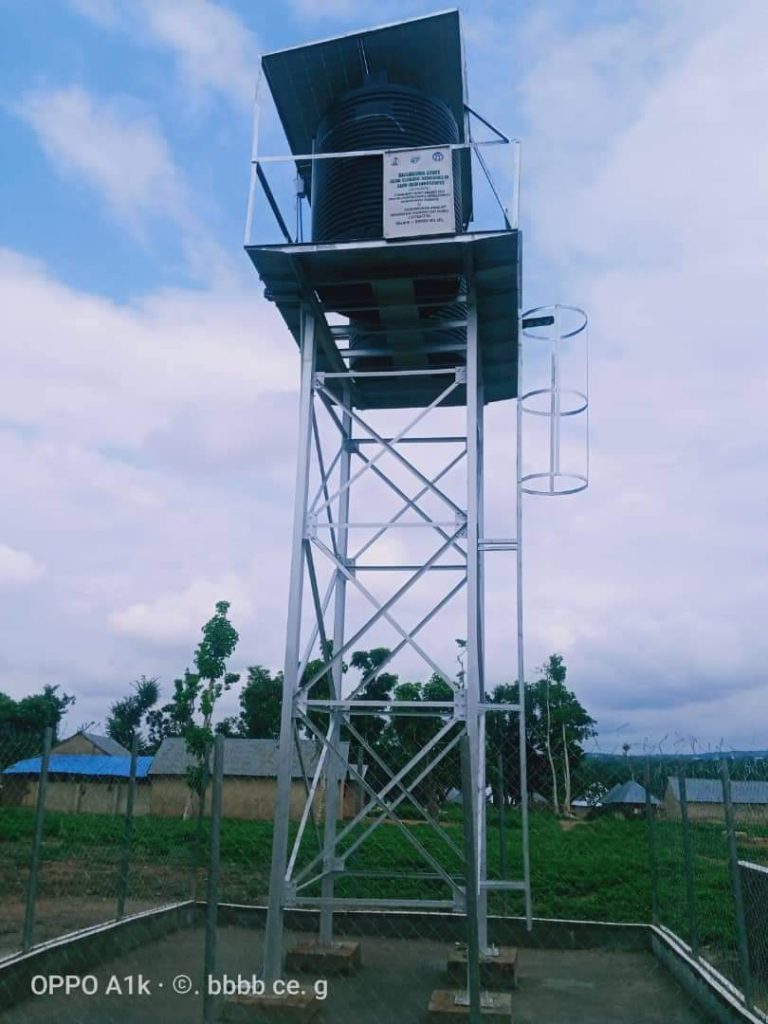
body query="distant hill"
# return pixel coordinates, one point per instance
(710, 755)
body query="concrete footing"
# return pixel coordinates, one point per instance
(323, 960)
(496, 1007)
(497, 972)
(270, 1009)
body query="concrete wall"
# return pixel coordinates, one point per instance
(745, 814)
(246, 798)
(79, 795)
(250, 799)
(166, 796)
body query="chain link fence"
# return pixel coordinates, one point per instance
(709, 853)
(678, 842)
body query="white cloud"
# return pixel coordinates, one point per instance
(645, 196)
(177, 617)
(18, 566)
(140, 443)
(212, 47)
(157, 436)
(103, 143)
(95, 372)
(332, 9)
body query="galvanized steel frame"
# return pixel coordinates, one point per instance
(327, 511)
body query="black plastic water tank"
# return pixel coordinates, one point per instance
(347, 194)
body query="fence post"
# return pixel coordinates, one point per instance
(122, 889)
(690, 887)
(198, 845)
(652, 860)
(473, 940)
(212, 904)
(37, 842)
(502, 823)
(736, 890)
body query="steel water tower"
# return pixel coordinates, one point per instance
(395, 261)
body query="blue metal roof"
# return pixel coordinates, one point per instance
(83, 764)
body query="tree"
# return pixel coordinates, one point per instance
(174, 718)
(556, 726)
(22, 721)
(554, 672)
(502, 740)
(218, 644)
(378, 687)
(260, 702)
(405, 735)
(126, 716)
(208, 683)
(559, 726)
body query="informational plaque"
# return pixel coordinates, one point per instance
(418, 193)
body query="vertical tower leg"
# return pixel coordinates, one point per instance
(522, 737)
(334, 769)
(273, 954)
(475, 605)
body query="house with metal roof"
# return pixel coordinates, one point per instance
(250, 779)
(705, 800)
(78, 783)
(628, 799)
(90, 743)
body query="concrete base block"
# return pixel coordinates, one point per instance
(496, 972)
(271, 1009)
(323, 960)
(496, 1007)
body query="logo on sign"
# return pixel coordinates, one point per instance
(437, 156)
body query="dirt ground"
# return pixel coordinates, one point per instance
(392, 987)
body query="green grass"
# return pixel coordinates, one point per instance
(597, 870)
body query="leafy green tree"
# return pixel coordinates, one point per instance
(22, 721)
(405, 735)
(218, 644)
(562, 726)
(174, 718)
(379, 687)
(196, 693)
(206, 686)
(260, 701)
(556, 727)
(127, 715)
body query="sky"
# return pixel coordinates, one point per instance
(148, 392)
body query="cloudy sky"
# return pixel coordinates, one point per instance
(148, 391)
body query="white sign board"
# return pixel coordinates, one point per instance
(418, 193)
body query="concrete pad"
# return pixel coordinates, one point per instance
(498, 973)
(495, 1007)
(323, 960)
(270, 1009)
(574, 986)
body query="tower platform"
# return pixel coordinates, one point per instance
(407, 306)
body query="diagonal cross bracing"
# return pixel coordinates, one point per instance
(403, 643)
(405, 789)
(390, 447)
(382, 610)
(378, 798)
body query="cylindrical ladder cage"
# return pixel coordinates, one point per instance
(558, 361)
